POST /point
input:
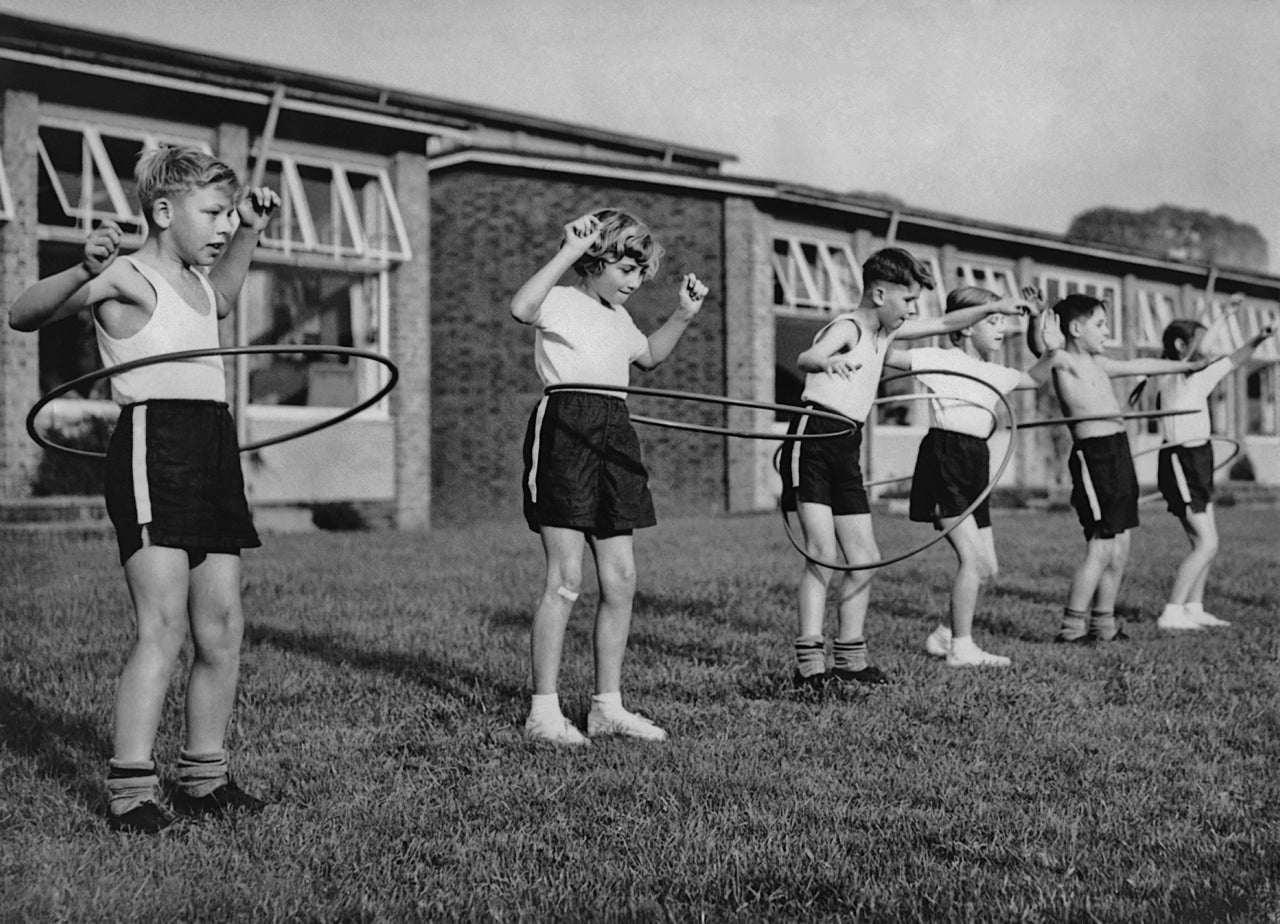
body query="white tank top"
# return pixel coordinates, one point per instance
(852, 396)
(174, 325)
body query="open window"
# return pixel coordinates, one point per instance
(1057, 285)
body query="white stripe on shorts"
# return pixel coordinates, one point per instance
(537, 441)
(1180, 477)
(795, 455)
(1087, 481)
(141, 489)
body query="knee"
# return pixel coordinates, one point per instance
(564, 584)
(217, 631)
(619, 579)
(988, 569)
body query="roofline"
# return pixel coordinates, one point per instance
(67, 47)
(817, 198)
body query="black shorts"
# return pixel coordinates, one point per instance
(582, 467)
(826, 471)
(952, 469)
(173, 479)
(1184, 475)
(1104, 487)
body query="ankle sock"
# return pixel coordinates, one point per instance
(811, 655)
(1102, 624)
(850, 655)
(1174, 610)
(544, 706)
(129, 784)
(1075, 625)
(607, 704)
(201, 774)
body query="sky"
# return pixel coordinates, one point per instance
(1025, 112)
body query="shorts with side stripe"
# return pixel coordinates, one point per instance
(1184, 475)
(173, 479)
(582, 467)
(952, 469)
(1104, 486)
(823, 471)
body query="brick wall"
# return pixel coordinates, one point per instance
(490, 230)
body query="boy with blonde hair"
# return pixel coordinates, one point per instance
(174, 488)
(822, 478)
(585, 484)
(1104, 486)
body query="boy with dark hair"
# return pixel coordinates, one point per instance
(174, 489)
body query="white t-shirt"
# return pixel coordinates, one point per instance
(951, 408)
(580, 339)
(1190, 392)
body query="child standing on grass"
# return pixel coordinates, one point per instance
(1184, 472)
(174, 488)
(1104, 487)
(953, 464)
(822, 479)
(585, 484)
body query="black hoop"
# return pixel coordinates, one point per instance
(1135, 415)
(960, 518)
(851, 426)
(110, 371)
(1235, 451)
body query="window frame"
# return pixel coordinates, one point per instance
(6, 194)
(1066, 279)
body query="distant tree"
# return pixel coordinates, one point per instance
(1176, 233)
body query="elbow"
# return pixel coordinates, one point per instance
(21, 324)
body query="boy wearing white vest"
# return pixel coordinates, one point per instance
(174, 489)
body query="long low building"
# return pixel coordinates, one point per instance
(408, 221)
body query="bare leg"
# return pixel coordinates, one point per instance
(1193, 572)
(818, 527)
(1112, 574)
(564, 548)
(616, 567)
(217, 629)
(858, 542)
(1088, 574)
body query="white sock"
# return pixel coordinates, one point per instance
(607, 703)
(943, 630)
(1193, 609)
(544, 706)
(962, 644)
(1175, 609)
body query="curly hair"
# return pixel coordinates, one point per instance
(176, 170)
(621, 235)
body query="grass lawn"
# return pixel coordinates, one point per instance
(385, 682)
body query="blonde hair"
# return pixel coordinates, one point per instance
(621, 235)
(174, 171)
(968, 297)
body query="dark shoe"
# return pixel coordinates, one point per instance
(814, 682)
(1120, 636)
(147, 818)
(1061, 639)
(225, 800)
(869, 676)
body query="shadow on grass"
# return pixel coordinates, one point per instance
(69, 749)
(443, 678)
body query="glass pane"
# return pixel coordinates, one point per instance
(317, 185)
(284, 227)
(66, 153)
(123, 154)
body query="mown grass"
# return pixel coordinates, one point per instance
(385, 683)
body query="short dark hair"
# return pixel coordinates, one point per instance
(893, 264)
(1076, 305)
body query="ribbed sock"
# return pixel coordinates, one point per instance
(850, 655)
(1075, 625)
(129, 784)
(1102, 624)
(811, 655)
(201, 774)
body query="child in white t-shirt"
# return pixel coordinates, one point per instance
(953, 463)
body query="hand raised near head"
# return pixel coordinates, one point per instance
(581, 233)
(1051, 331)
(256, 206)
(101, 247)
(692, 293)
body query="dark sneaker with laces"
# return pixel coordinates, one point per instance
(869, 676)
(814, 682)
(147, 818)
(227, 799)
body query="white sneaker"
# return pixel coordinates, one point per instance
(938, 643)
(1177, 619)
(630, 724)
(556, 729)
(1206, 619)
(971, 655)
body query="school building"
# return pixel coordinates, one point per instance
(407, 223)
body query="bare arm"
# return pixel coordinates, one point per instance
(579, 235)
(663, 340)
(1242, 353)
(1118, 368)
(959, 320)
(71, 291)
(255, 208)
(1049, 335)
(830, 352)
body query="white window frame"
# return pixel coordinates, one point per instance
(802, 295)
(1071, 282)
(968, 271)
(6, 195)
(344, 207)
(1249, 321)
(1157, 309)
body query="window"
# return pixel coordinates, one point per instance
(291, 305)
(87, 173)
(1057, 286)
(1261, 386)
(818, 277)
(1234, 330)
(6, 197)
(1156, 309)
(332, 208)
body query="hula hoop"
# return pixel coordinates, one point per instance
(851, 426)
(1235, 451)
(110, 371)
(960, 518)
(1135, 415)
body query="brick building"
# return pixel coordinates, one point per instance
(409, 221)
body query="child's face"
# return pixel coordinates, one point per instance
(201, 223)
(988, 334)
(898, 303)
(1090, 332)
(616, 282)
